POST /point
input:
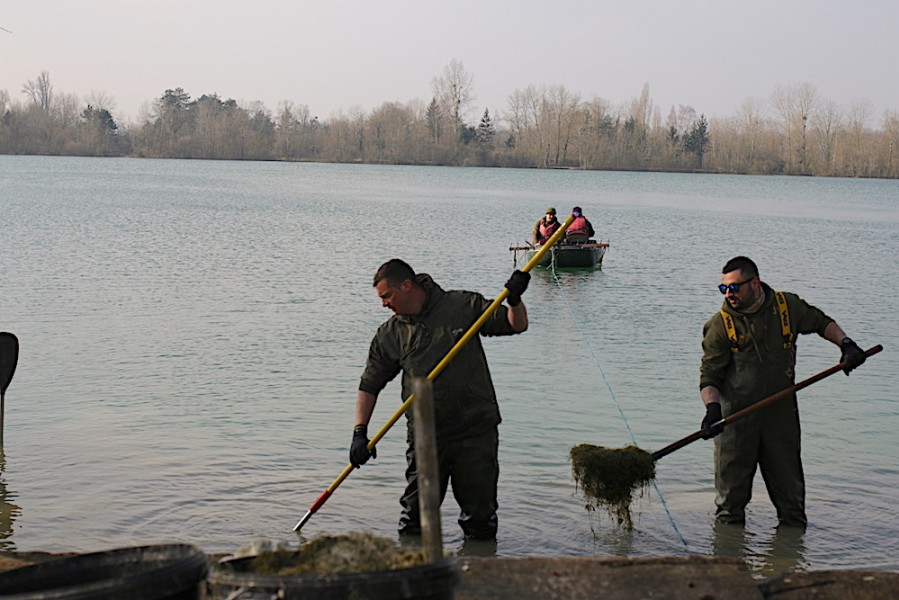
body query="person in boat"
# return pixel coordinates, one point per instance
(580, 230)
(545, 227)
(749, 353)
(427, 323)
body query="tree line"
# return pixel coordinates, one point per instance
(796, 131)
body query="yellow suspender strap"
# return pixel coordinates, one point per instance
(784, 319)
(785, 329)
(731, 332)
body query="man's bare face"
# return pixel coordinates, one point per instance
(396, 298)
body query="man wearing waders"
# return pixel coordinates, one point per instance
(749, 353)
(427, 323)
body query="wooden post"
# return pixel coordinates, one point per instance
(428, 475)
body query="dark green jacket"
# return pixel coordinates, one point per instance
(464, 398)
(762, 366)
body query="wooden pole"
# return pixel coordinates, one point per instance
(428, 470)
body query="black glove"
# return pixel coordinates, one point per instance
(359, 453)
(516, 285)
(852, 355)
(712, 416)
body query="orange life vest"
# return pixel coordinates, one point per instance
(579, 226)
(547, 230)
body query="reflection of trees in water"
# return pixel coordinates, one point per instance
(8, 510)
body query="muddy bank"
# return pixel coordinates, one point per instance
(692, 578)
(668, 578)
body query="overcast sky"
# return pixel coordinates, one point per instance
(338, 55)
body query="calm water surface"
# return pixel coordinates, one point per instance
(192, 335)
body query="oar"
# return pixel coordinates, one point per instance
(758, 405)
(9, 356)
(434, 373)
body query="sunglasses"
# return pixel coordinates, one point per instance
(734, 287)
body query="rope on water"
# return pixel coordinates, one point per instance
(602, 373)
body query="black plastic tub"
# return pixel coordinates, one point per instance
(233, 579)
(169, 572)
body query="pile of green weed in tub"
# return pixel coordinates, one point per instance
(609, 478)
(330, 555)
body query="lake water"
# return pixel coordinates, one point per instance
(192, 335)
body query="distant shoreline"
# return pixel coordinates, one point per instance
(424, 164)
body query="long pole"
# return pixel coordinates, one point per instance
(758, 405)
(435, 372)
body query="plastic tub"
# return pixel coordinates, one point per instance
(170, 572)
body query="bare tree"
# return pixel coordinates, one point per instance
(40, 91)
(293, 130)
(641, 109)
(807, 101)
(535, 103)
(724, 154)
(208, 125)
(454, 92)
(261, 140)
(596, 133)
(750, 124)
(343, 143)
(891, 135)
(795, 106)
(859, 115)
(389, 133)
(827, 125)
(518, 123)
(561, 108)
(782, 102)
(636, 130)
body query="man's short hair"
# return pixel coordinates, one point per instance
(745, 265)
(395, 271)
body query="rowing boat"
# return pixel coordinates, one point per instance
(565, 255)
